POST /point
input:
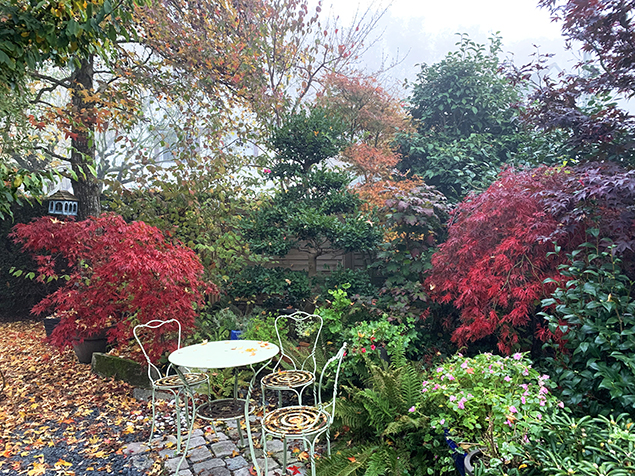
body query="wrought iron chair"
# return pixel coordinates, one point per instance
(303, 373)
(172, 383)
(303, 422)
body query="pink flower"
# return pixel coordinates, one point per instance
(363, 349)
(440, 369)
(561, 404)
(412, 409)
(518, 356)
(522, 399)
(539, 416)
(508, 423)
(372, 347)
(512, 409)
(442, 421)
(464, 365)
(452, 398)
(450, 377)
(461, 403)
(507, 378)
(267, 171)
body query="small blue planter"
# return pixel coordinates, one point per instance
(235, 335)
(458, 454)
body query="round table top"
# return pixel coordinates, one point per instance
(223, 354)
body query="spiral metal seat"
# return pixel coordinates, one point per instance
(302, 375)
(304, 422)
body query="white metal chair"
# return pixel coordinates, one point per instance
(302, 422)
(172, 383)
(303, 373)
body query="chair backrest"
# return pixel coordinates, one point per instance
(302, 320)
(155, 324)
(336, 363)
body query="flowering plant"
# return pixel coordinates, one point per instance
(492, 402)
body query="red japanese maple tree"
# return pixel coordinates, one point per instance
(118, 275)
(496, 258)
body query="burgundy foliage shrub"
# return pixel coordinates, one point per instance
(499, 250)
(118, 275)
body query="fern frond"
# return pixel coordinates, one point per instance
(410, 384)
(349, 462)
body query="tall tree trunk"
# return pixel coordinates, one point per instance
(86, 186)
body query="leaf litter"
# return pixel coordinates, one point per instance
(58, 418)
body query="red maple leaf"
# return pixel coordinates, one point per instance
(294, 469)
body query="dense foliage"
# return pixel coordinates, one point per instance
(466, 127)
(586, 446)
(117, 275)
(593, 315)
(490, 402)
(19, 295)
(498, 261)
(384, 429)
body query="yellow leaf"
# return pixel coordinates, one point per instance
(38, 469)
(61, 462)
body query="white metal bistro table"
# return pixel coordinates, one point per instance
(221, 355)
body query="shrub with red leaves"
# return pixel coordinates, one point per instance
(118, 275)
(500, 245)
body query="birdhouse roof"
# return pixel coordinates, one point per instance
(63, 195)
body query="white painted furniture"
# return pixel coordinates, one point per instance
(222, 355)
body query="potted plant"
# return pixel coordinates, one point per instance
(117, 275)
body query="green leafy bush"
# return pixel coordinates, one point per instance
(262, 327)
(336, 314)
(489, 402)
(584, 446)
(270, 288)
(358, 281)
(591, 316)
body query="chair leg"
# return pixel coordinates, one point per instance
(154, 416)
(284, 455)
(240, 432)
(264, 400)
(177, 404)
(264, 452)
(312, 454)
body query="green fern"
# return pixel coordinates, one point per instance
(384, 419)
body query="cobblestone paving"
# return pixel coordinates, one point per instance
(219, 454)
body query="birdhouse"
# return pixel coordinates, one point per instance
(63, 203)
